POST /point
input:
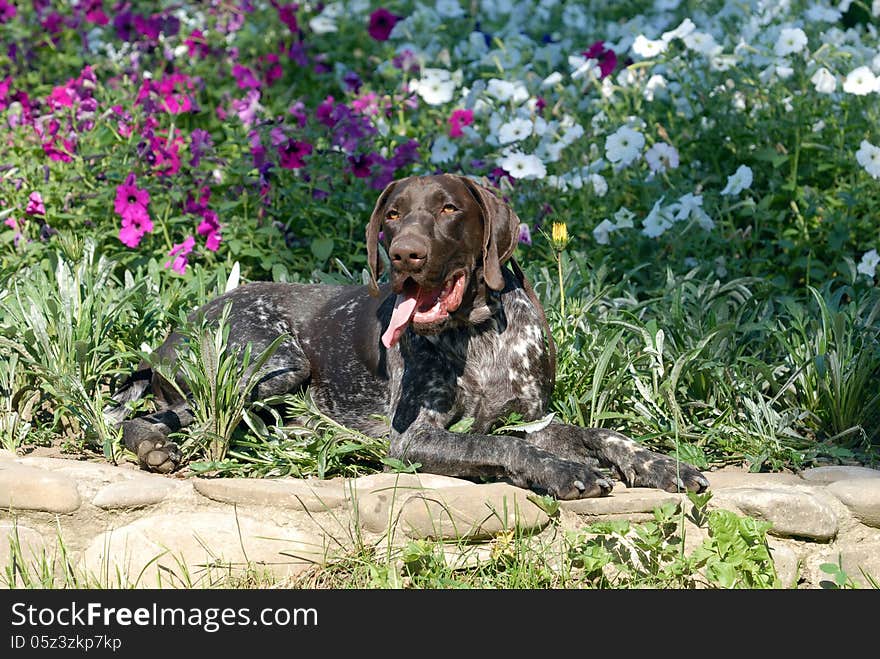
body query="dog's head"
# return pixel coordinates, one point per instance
(447, 238)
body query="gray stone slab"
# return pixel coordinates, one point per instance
(30, 488)
(861, 496)
(135, 492)
(792, 511)
(197, 550)
(825, 475)
(290, 493)
(472, 512)
(623, 502)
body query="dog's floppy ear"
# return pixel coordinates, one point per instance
(373, 261)
(500, 231)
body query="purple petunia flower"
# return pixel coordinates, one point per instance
(381, 23)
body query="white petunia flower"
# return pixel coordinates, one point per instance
(449, 8)
(602, 231)
(820, 14)
(436, 86)
(661, 156)
(504, 90)
(868, 156)
(522, 165)
(600, 185)
(553, 79)
(514, 131)
(624, 146)
(701, 42)
(656, 86)
(861, 81)
(684, 29)
(791, 40)
(657, 221)
(624, 217)
(824, 81)
(323, 24)
(740, 180)
(443, 150)
(644, 47)
(868, 264)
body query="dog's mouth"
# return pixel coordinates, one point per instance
(424, 307)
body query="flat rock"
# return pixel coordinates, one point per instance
(727, 478)
(197, 550)
(861, 496)
(29, 488)
(825, 475)
(7, 455)
(29, 549)
(854, 558)
(472, 512)
(629, 503)
(793, 512)
(290, 493)
(135, 492)
(786, 562)
(358, 487)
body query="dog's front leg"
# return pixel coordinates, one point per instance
(465, 455)
(632, 463)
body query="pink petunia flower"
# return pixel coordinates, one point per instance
(130, 200)
(381, 23)
(134, 226)
(179, 253)
(35, 204)
(460, 118)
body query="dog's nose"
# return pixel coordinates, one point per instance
(408, 252)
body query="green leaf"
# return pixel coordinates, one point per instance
(463, 425)
(322, 248)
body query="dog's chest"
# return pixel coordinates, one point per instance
(499, 372)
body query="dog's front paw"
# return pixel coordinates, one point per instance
(649, 469)
(159, 455)
(570, 480)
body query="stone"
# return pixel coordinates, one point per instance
(291, 493)
(861, 496)
(792, 511)
(135, 492)
(29, 488)
(197, 550)
(363, 485)
(7, 455)
(471, 512)
(786, 562)
(29, 549)
(825, 475)
(854, 559)
(727, 478)
(623, 503)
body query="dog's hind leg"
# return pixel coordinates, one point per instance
(147, 437)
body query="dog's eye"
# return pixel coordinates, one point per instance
(448, 208)
(392, 215)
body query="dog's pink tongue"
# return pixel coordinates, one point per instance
(404, 308)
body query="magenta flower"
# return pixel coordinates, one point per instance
(287, 14)
(35, 205)
(131, 204)
(209, 227)
(524, 236)
(134, 226)
(458, 119)
(179, 253)
(291, 155)
(247, 107)
(245, 77)
(382, 22)
(606, 57)
(7, 12)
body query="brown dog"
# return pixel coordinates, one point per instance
(455, 334)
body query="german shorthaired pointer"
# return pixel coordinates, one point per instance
(456, 333)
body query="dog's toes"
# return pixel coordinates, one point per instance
(665, 473)
(160, 456)
(577, 481)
